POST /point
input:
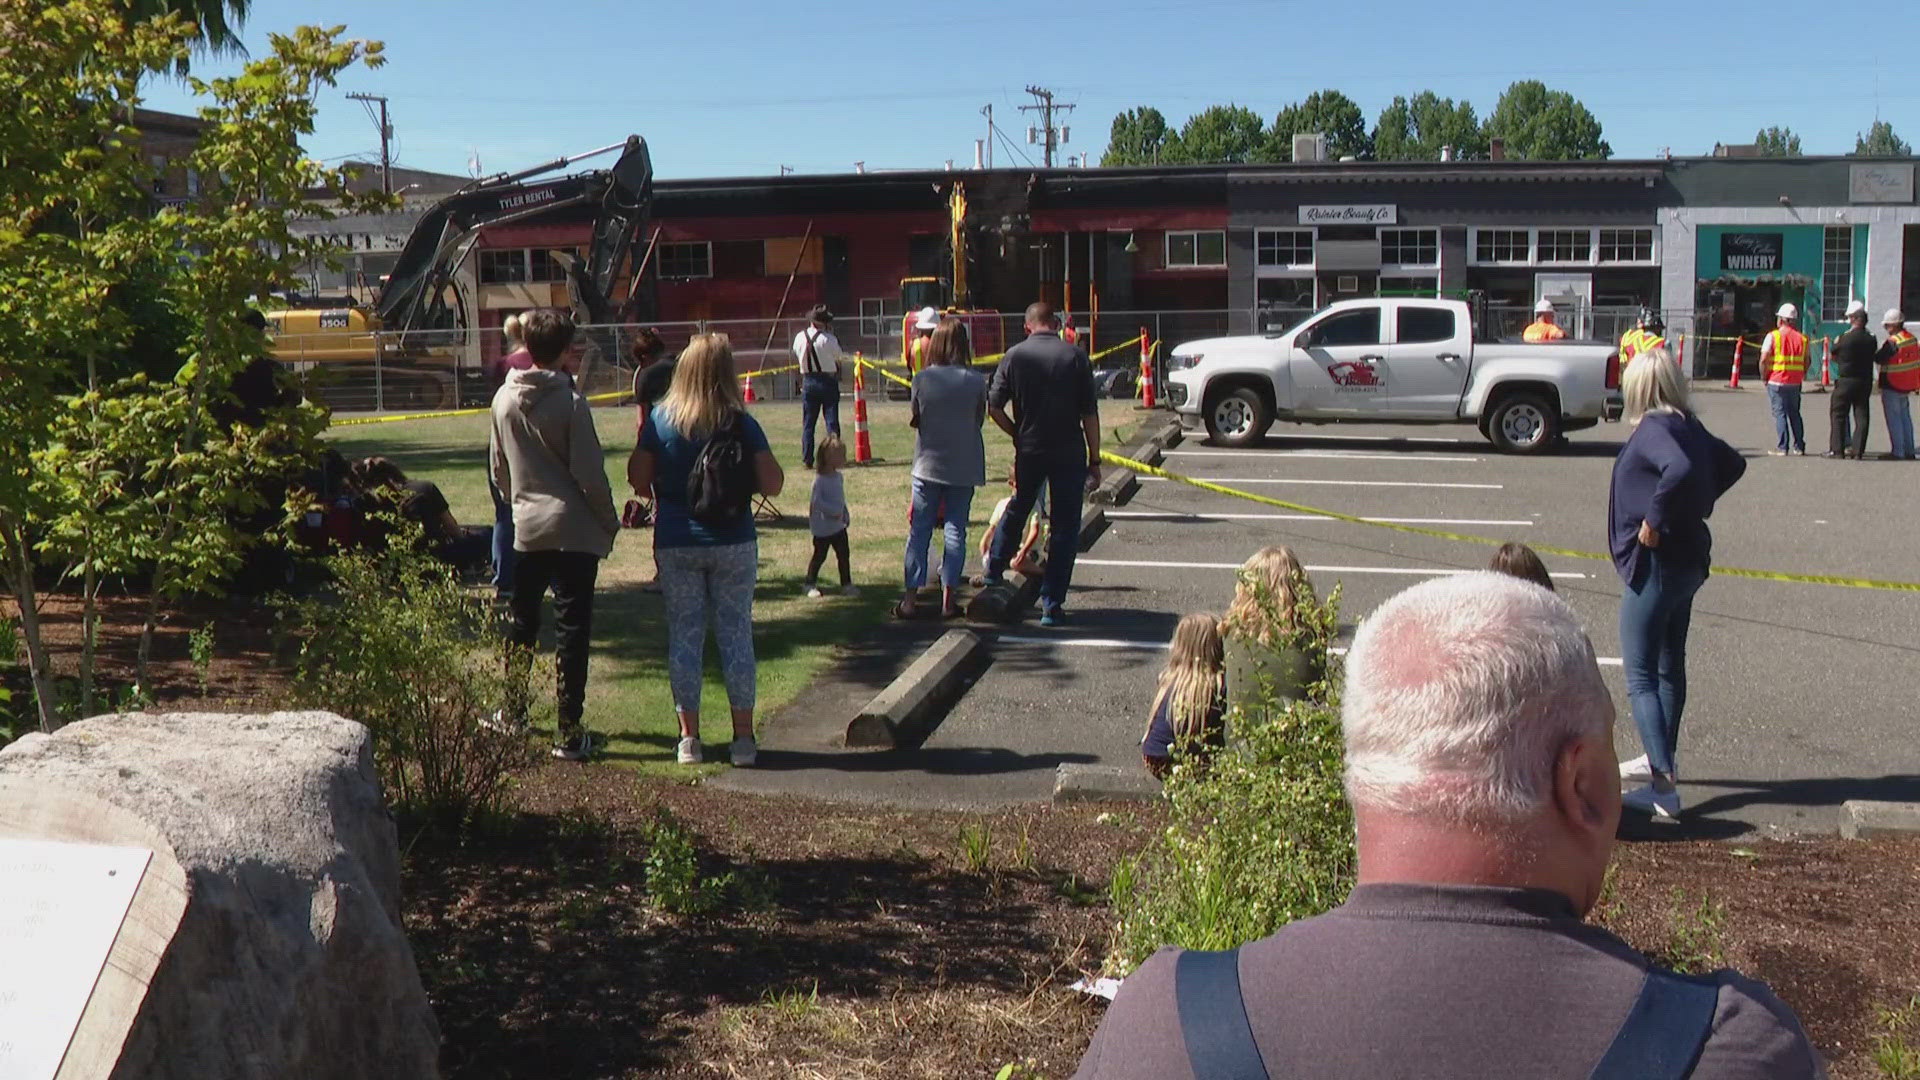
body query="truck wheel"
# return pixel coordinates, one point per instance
(1239, 417)
(1523, 424)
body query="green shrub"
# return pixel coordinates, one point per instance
(1896, 1047)
(400, 646)
(1258, 836)
(674, 880)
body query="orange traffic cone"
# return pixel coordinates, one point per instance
(746, 389)
(1739, 345)
(862, 442)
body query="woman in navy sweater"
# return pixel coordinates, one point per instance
(1665, 483)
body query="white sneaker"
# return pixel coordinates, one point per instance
(1658, 804)
(1636, 771)
(743, 753)
(688, 752)
(502, 724)
(814, 593)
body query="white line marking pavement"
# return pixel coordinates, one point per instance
(1409, 570)
(1339, 455)
(1152, 515)
(1332, 483)
(1158, 646)
(1200, 433)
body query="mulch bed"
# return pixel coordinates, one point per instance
(880, 952)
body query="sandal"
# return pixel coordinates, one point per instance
(902, 611)
(955, 612)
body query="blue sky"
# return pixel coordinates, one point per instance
(742, 87)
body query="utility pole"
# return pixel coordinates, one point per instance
(987, 111)
(1047, 135)
(386, 137)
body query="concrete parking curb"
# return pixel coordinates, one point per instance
(907, 711)
(1866, 819)
(1104, 783)
(1120, 484)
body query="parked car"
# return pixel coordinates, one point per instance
(1398, 361)
(1115, 382)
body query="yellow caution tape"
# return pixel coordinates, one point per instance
(1440, 534)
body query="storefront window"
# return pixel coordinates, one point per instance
(1502, 246)
(1410, 247)
(1626, 245)
(1836, 272)
(1566, 245)
(545, 267)
(686, 260)
(1196, 249)
(1284, 247)
(504, 266)
(1409, 286)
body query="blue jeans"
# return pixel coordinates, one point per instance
(930, 500)
(1655, 610)
(1784, 400)
(1899, 409)
(818, 394)
(1068, 483)
(503, 553)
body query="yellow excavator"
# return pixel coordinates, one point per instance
(949, 295)
(411, 340)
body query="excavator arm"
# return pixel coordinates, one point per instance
(415, 296)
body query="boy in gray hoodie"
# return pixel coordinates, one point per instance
(546, 460)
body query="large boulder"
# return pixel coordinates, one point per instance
(265, 939)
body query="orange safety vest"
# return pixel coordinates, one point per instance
(1538, 332)
(1630, 343)
(1789, 364)
(1904, 373)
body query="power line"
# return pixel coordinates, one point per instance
(386, 137)
(1050, 136)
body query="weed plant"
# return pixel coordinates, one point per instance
(1896, 1048)
(1260, 834)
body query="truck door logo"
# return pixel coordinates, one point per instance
(1358, 377)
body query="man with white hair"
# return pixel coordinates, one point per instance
(1480, 766)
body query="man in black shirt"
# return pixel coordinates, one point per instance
(1853, 355)
(1055, 429)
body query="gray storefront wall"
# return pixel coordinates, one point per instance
(1456, 201)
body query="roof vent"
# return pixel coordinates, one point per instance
(1309, 146)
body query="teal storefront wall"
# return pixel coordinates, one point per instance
(1802, 254)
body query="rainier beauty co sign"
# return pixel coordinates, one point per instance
(1379, 214)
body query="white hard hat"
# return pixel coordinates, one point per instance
(1894, 318)
(1788, 311)
(1858, 307)
(929, 319)
(1544, 307)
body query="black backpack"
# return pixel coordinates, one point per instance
(721, 487)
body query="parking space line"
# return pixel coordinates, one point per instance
(1331, 483)
(1201, 433)
(1159, 646)
(1416, 571)
(1154, 515)
(1337, 455)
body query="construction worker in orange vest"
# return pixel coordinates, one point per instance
(1783, 361)
(1899, 362)
(1543, 329)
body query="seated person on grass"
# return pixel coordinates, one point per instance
(383, 486)
(1023, 560)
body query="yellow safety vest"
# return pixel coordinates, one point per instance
(1789, 363)
(1904, 373)
(1630, 343)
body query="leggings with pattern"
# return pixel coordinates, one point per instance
(717, 579)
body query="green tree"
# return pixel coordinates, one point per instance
(1217, 135)
(1327, 112)
(1545, 125)
(1880, 141)
(1416, 130)
(1777, 142)
(1138, 137)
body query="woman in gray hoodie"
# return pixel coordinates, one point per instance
(547, 462)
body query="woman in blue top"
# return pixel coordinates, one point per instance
(1665, 483)
(704, 568)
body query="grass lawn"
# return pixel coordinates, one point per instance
(794, 637)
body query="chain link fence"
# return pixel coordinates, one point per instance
(433, 371)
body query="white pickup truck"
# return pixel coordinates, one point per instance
(1399, 361)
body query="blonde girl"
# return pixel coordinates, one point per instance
(1265, 664)
(827, 515)
(1189, 699)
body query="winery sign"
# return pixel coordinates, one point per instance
(1751, 252)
